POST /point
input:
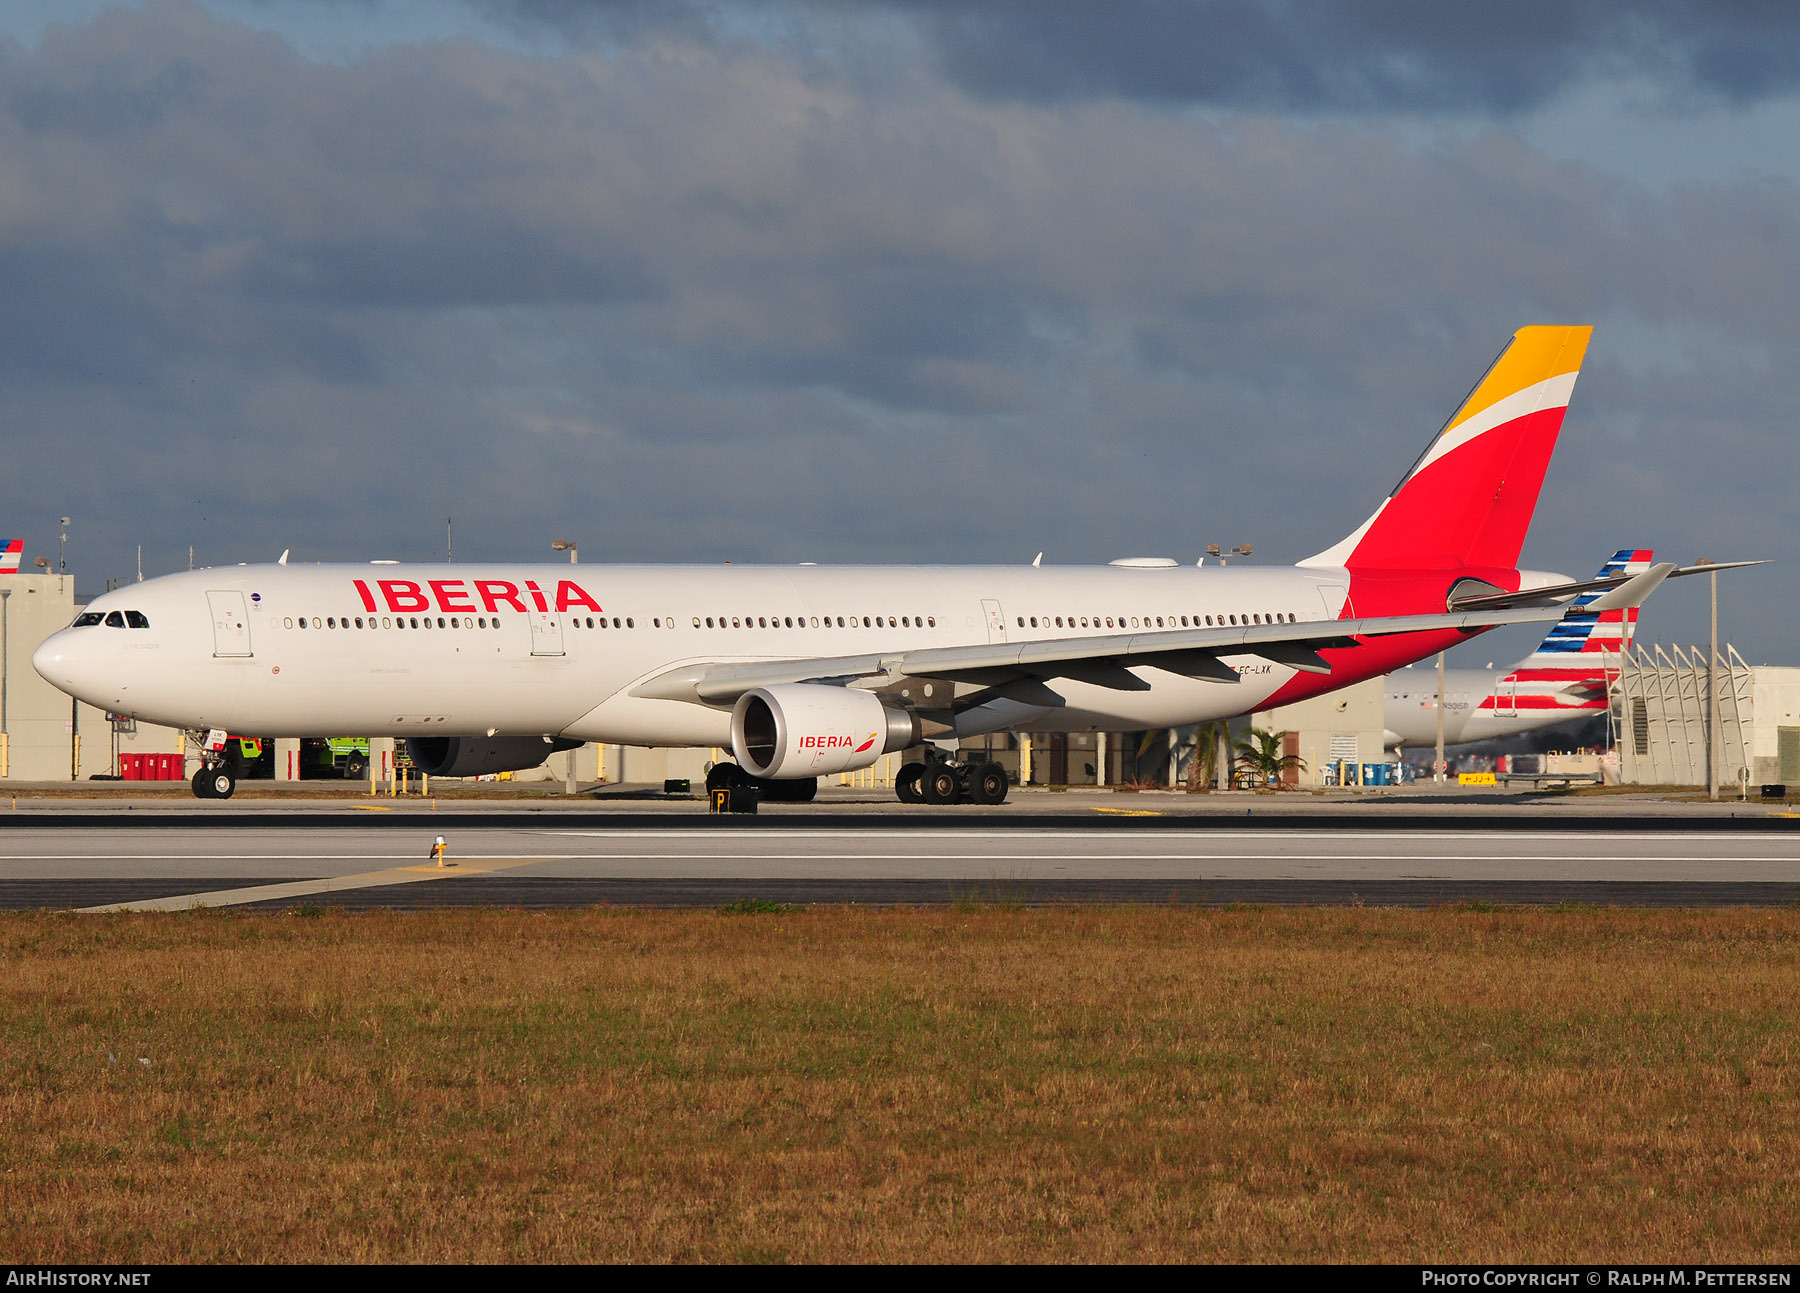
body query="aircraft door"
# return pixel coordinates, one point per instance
(230, 624)
(546, 633)
(1506, 698)
(996, 622)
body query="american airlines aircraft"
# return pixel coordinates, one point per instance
(804, 671)
(1568, 677)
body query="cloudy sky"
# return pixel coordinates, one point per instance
(886, 282)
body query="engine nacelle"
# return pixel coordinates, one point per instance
(474, 756)
(802, 729)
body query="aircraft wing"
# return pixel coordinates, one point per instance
(1014, 668)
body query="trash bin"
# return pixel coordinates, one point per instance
(131, 767)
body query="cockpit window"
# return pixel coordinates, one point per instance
(136, 620)
(115, 620)
(87, 619)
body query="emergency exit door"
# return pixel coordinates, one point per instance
(231, 625)
(996, 622)
(546, 633)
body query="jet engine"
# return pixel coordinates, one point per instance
(809, 729)
(473, 756)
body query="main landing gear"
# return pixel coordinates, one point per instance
(940, 781)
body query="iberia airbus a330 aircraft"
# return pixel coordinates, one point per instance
(806, 670)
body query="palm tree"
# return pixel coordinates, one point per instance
(1259, 753)
(1203, 760)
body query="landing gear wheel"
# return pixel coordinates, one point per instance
(940, 784)
(214, 783)
(987, 784)
(908, 785)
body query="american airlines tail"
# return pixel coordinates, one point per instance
(1468, 500)
(1582, 637)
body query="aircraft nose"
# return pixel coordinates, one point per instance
(60, 663)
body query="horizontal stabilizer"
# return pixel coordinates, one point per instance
(1544, 596)
(1634, 590)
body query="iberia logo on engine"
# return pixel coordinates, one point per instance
(835, 742)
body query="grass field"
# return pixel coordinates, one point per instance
(847, 1084)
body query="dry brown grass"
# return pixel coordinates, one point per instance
(843, 1084)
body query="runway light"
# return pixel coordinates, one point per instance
(437, 852)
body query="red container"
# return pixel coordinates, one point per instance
(159, 767)
(131, 767)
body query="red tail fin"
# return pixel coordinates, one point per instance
(1469, 498)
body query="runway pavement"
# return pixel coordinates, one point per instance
(90, 859)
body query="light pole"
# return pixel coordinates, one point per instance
(62, 543)
(1712, 686)
(1440, 775)
(560, 545)
(5, 672)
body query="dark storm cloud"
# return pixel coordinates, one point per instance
(1381, 56)
(690, 298)
(1386, 56)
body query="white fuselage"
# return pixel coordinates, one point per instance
(1483, 704)
(416, 650)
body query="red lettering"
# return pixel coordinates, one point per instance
(537, 595)
(403, 595)
(569, 593)
(362, 591)
(494, 591)
(445, 589)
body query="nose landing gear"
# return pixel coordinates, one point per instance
(214, 781)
